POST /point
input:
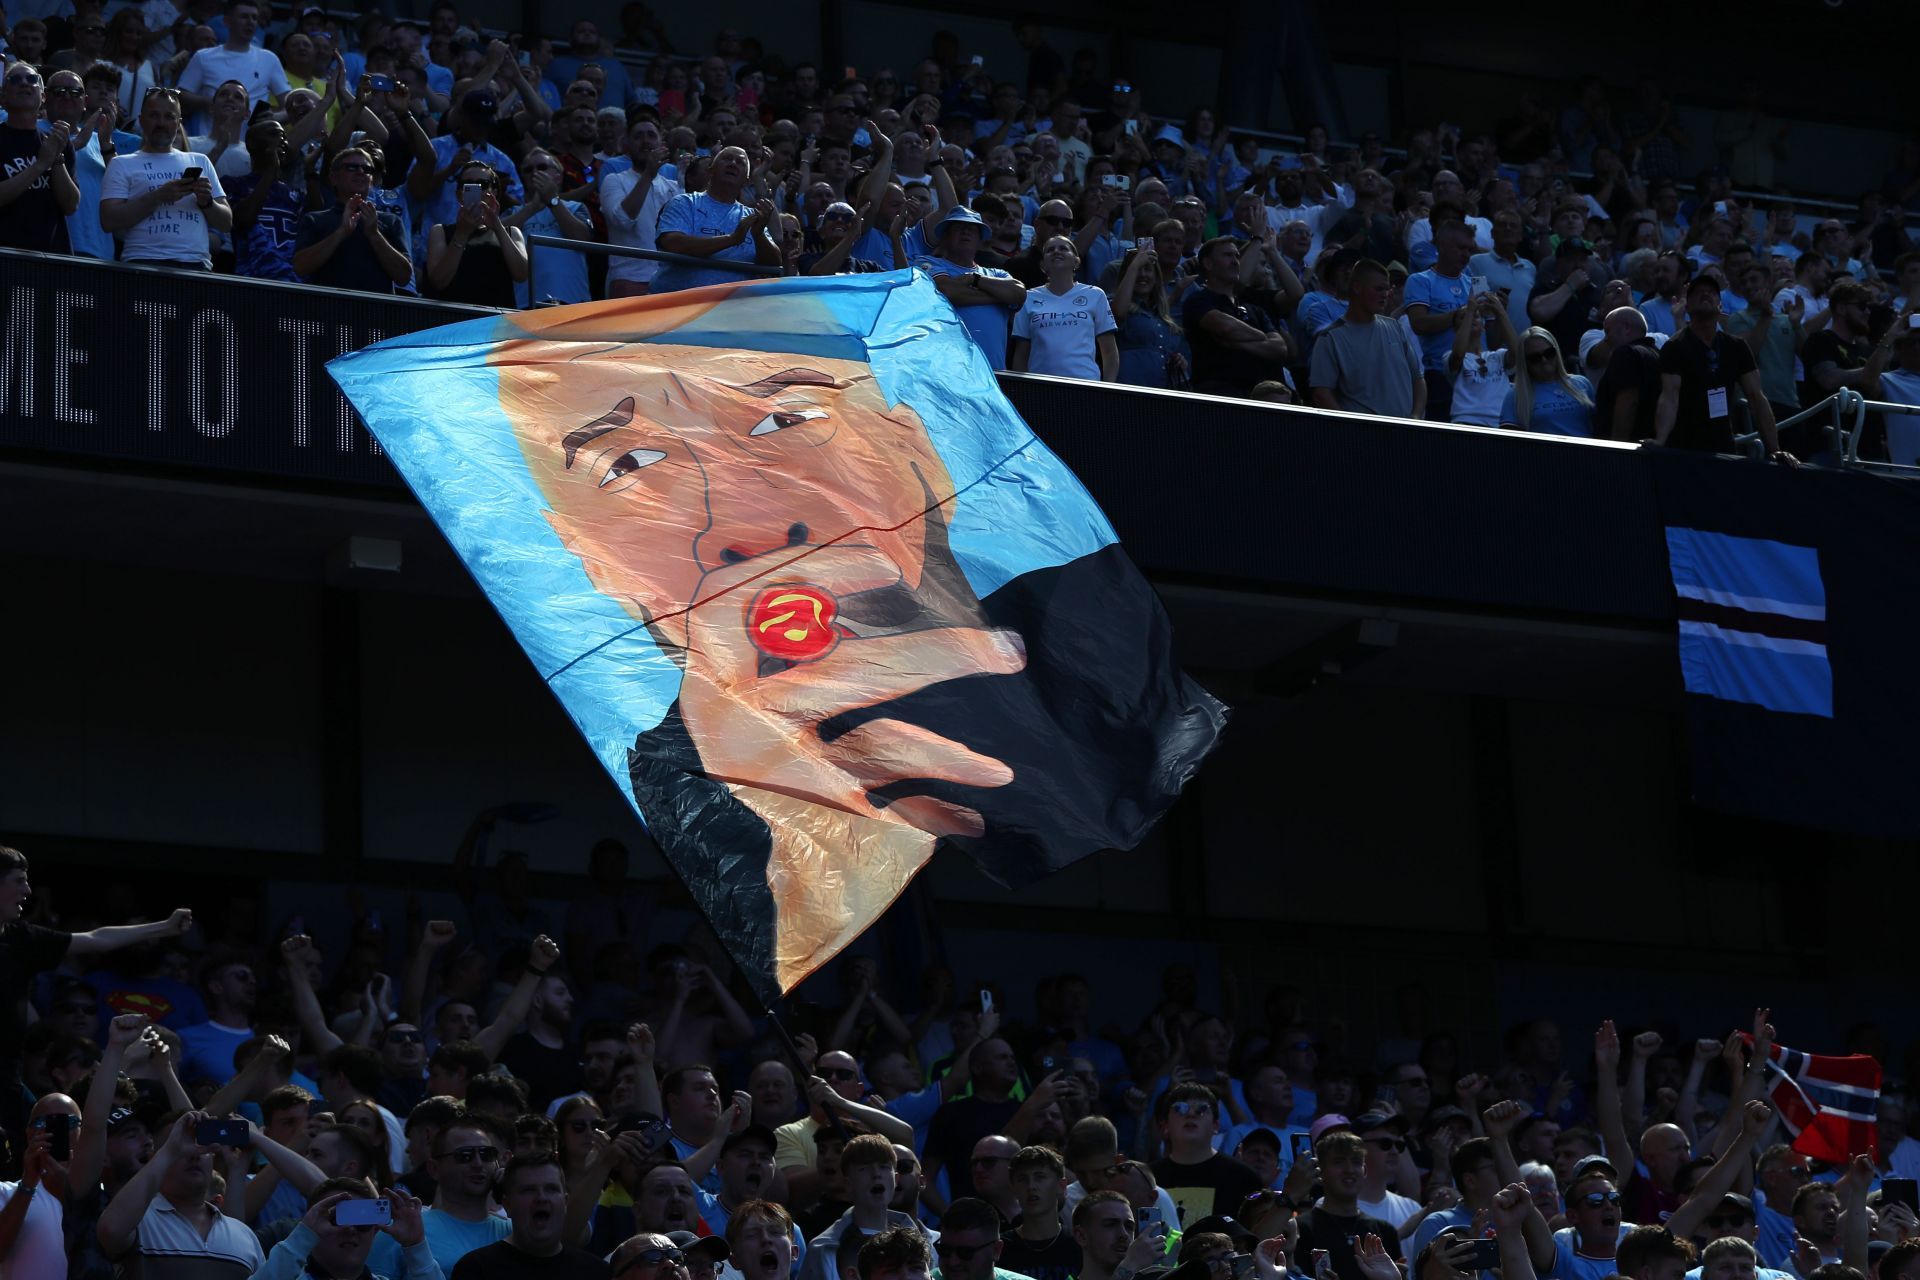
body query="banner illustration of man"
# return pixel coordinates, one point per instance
(816, 595)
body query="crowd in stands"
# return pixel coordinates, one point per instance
(192, 1096)
(1488, 279)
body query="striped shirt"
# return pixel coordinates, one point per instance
(170, 1247)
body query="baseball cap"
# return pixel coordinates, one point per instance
(1587, 1164)
(1422, 255)
(1440, 1115)
(1397, 268)
(713, 1246)
(1290, 164)
(1326, 1124)
(959, 213)
(120, 1117)
(1380, 1120)
(751, 1132)
(313, 8)
(1261, 1131)
(1170, 133)
(1738, 1201)
(478, 102)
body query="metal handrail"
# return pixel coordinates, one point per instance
(1835, 407)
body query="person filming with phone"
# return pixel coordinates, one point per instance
(161, 202)
(344, 1220)
(166, 1210)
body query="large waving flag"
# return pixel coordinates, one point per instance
(1831, 1105)
(813, 592)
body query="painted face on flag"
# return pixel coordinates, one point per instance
(781, 530)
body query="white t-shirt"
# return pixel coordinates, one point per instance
(174, 232)
(234, 162)
(1318, 218)
(1478, 389)
(1903, 446)
(40, 1249)
(1064, 329)
(1391, 1208)
(258, 69)
(639, 231)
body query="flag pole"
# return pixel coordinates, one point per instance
(803, 1072)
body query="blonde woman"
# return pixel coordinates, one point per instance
(1545, 397)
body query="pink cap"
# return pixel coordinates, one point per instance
(1326, 1122)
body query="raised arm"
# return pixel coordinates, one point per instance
(113, 937)
(320, 1038)
(1633, 1105)
(1500, 1118)
(541, 958)
(413, 993)
(119, 1223)
(1704, 1051)
(90, 1144)
(646, 1089)
(244, 1083)
(1613, 1130)
(1713, 1185)
(881, 1122)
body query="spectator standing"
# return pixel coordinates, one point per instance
(1506, 268)
(1065, 328)
(1545, 397)
(435, 187)
(1901, 385)
(1699, 371)
(1336, 1223)
(1236, 345)
(1150, 344)
(1774, 337)
(1623, 403)
(985, 297)
(231, 991)
(1430, 296)
(266, 211)
(478, 259)
(351, 246)
(1665, 309)
(37, 190)
(715, 224)
(1482, 371)
(258, 69)
(1567, 300)
(1362, 363)
(554, 275)
(630, 202)
(533, 1191)
(165, 1211)
(1202, 1182)
(162, 202)
(319, 1246)
(1845, 355)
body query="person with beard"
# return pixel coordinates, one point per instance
(545, 1055)
(867, 1168)
(164, 1210)
(1699, 371)
(533, 1190)
(463, 1163)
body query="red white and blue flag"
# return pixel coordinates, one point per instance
(1830, 1105)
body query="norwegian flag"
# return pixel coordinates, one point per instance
(1829, 1105)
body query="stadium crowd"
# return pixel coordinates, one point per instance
(1550, 275)
(186, 1097)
